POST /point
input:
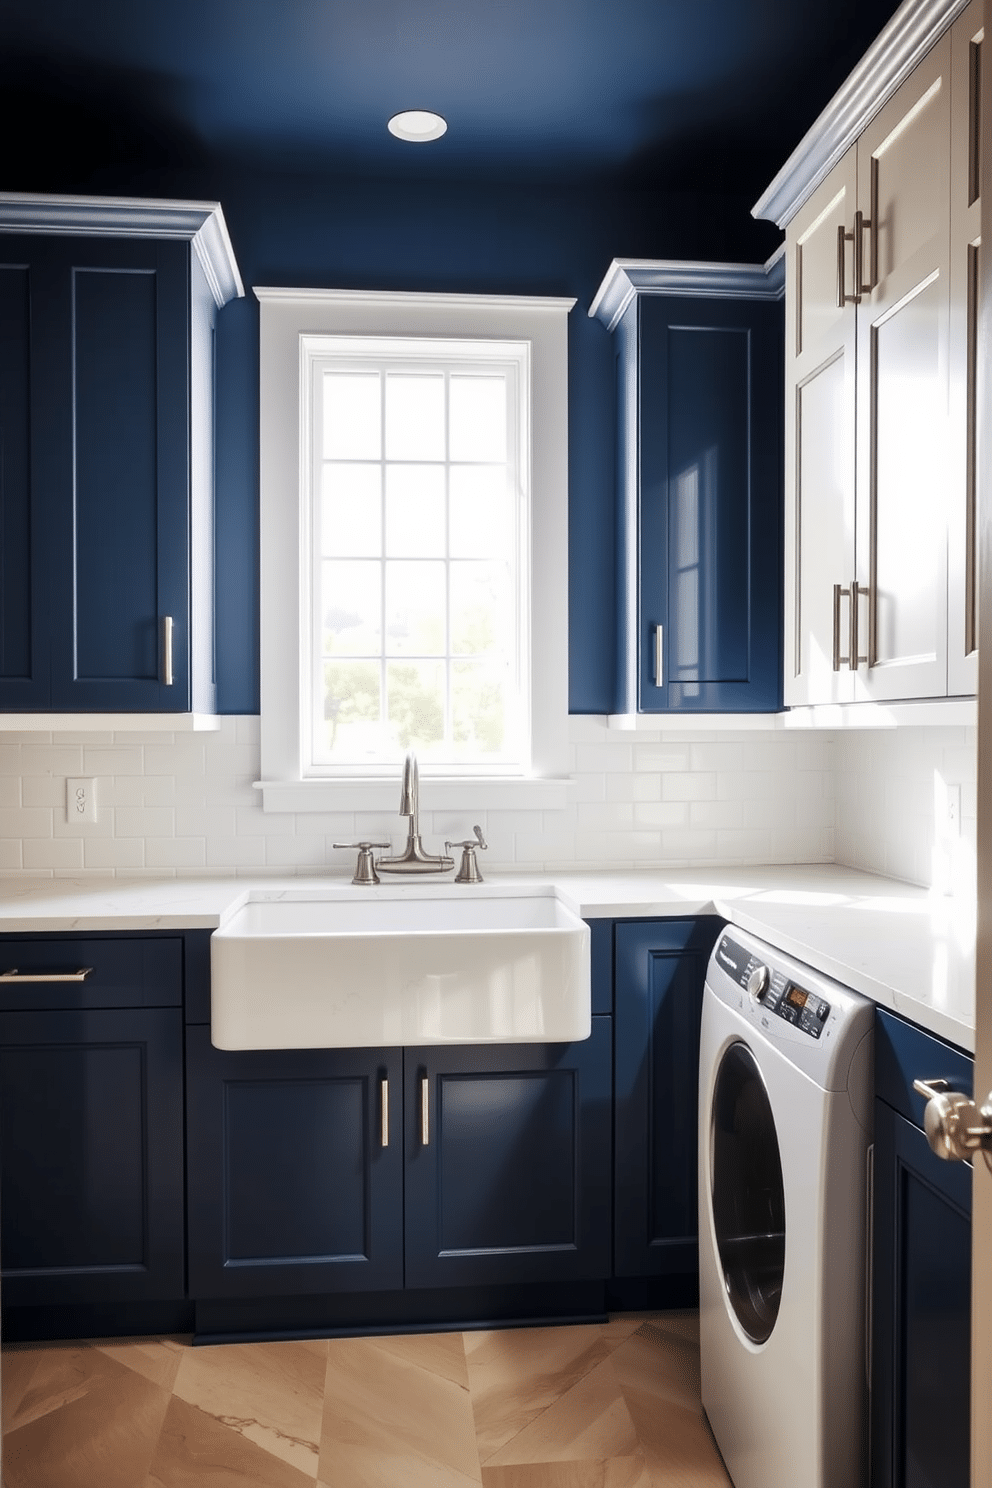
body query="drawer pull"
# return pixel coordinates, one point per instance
(425, 1108)
(384, 1111)
(13, 975)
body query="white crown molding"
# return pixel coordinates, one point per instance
(897, 49)
(199, 223)
(629, 277)
(403, 298)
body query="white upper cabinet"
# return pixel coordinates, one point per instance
(881, 268)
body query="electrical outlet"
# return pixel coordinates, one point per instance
(80, 801)
(954, 810)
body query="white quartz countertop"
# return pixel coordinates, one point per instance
(903, 947)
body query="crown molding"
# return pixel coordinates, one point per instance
(628, 277)
(897, 49)
(199, 223)
(386, 297)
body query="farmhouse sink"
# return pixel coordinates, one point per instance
(350, 968)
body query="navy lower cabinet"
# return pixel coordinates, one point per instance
(508, 1162)
(699, 399)
(295, 1170)
(106, 454)
(91, 1143)
(921, 1273)
(660, 971)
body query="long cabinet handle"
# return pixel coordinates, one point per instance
(864, 286)
(869, 1257)
(167, 628)
(425, 1111)
(13, 975)
(852, 593)
(384, 1110)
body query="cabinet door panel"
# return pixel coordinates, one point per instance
(823, 531)
(819, 441)
(92, 1199)
(660, 973)
(510, 1179)
(922, 1311)
(710, 485)
(903, 169)
(967, 44)
(21, 634)
(291, 1186)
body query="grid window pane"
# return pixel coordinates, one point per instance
(351, 511)
(481, 505)
(415, 511)
(415, 705)
(480, 611)
(416, 623)
(415, 609)
(415, 416)
(351, 608)
(349, 723)
(478, 418)
(352, 416)
(478, 708)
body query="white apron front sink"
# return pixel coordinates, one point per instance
(358, 968)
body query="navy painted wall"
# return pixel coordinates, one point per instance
(350, 232)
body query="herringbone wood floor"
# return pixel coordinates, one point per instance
(610, 1406)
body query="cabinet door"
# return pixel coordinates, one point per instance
(508, 1162)
(24, 670)
(108, 493)
(966, 203)
(902, 439)
(921, 1334)
(710, 493)
(660, 973)
(92, 1156)
(820, 390)
(294, 1170)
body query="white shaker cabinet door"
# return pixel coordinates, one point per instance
(903, 446)
(820, 433)
(966, 231)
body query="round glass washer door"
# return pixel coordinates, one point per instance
(748, 1196)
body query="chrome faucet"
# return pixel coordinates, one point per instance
(413, 859)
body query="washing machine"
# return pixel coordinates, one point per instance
(785, 1098)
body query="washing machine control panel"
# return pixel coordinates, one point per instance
(773, 990)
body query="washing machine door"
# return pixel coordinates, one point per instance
(748, 1196)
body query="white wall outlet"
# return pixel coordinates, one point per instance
(954, 810)
(80, 801)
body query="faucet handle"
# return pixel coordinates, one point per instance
(365, 867)
(468, 871)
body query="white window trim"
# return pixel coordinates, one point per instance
(286, 317)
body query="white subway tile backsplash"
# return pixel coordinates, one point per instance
(53, 852)
(172, 803)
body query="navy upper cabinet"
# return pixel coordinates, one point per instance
(699, 356)
(106, 453)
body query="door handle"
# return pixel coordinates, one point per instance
(384, 1110)
(167, 628)
(425, 1111)
(955, 1126)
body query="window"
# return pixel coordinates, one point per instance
(413, 484)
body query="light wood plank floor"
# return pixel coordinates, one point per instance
(598, 1406)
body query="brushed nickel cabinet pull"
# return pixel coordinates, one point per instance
(843, 298)
(861, 222)
(838, 591)
(384, 1110)
(13, 975)
(425, 1105)
(659, 655)
(167, 678)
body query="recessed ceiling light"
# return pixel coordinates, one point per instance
(417, 125)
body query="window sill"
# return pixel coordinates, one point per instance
(436, 794)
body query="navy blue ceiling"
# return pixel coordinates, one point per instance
(653, 91)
